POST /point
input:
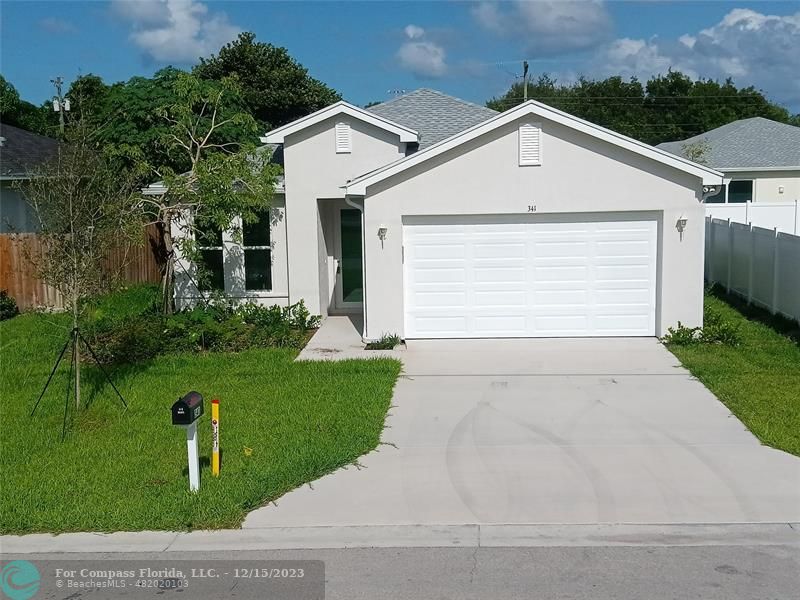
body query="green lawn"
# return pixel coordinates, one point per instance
(282, 424)
(759, 380)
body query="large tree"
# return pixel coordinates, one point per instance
(276, 89)
(226, 182)
(126, 114)
(666, 108)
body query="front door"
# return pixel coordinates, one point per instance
(349, 271)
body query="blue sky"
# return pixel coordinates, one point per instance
(367, 49)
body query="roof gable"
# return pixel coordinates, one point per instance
(436, 116)
(747, 144)
(277, 136)
(358, 186)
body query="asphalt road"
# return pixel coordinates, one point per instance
(760, 572)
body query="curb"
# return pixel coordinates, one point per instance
(409, 536)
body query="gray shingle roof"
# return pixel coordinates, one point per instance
(434, 115)
(755, 143)
(22, 151)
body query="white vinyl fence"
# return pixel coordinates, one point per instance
(783, 216)
(761, 265)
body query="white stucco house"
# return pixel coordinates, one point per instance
(760, 159)
(437, 218)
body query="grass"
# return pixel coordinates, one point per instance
(282, 424)
(758, 380)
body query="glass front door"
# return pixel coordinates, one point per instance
(350, 277)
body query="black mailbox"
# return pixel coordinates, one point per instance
(187, 409)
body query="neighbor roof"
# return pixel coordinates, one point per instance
(21, 151)
(748, 144)
(436, 116)
(358, 186)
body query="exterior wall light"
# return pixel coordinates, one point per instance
(382, 231)
(680, 225)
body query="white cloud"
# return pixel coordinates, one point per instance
(175, 30)
(550, 26)
(414, 32)
(56, 25)
(753, 48)
(423, 57)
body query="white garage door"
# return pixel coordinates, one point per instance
(471, 278)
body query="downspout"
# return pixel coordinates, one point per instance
(360, 208)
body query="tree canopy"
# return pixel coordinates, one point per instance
(276, 88)
(666, 108)
(22, 114)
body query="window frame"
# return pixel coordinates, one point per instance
(233, 261)
(244, 248)
(752, 190)
(221, 249)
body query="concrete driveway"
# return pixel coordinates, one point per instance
(568, 431)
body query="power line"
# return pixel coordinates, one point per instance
(731, 97)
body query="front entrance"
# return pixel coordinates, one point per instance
(348, 260)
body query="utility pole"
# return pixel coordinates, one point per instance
(60, 104)
(525, 79)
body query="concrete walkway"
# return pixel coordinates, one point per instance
(339, 338)
(551, 431)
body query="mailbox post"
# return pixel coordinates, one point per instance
(185, 412)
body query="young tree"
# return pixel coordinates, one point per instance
(225, 180)
(85, 204)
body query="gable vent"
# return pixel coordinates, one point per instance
(530, 144)
(342, 137)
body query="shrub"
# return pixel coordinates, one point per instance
(386, 342)
(682, 335)
(132, 329)
(8, 306)
(716, 330)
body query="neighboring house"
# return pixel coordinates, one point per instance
(759, 157)
(437, 218)
(20, 152)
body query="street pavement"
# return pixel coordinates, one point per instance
(740, 572)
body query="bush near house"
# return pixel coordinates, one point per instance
(283, 423)
(129, 327)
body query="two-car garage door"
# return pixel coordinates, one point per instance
(473, 277)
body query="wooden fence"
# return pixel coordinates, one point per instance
(760, 265)
(134, 263)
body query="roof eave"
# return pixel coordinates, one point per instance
(277, 136)
(708, 175)
(757, 169)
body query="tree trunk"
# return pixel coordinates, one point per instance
(168, 277)
(76, 349)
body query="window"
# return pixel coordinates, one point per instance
(209, 243)
(740, 191)
(257, 254)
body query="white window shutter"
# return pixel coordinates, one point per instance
(342, 138)
(530, 144)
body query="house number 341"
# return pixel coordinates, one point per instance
(531, 208)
